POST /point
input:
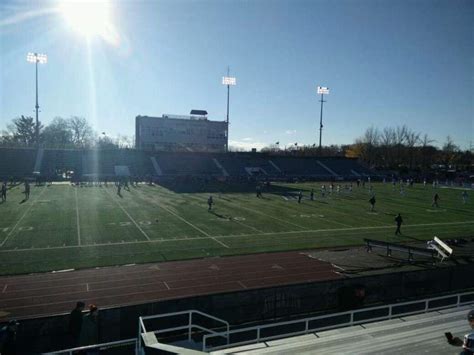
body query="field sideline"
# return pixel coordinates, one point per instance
(64, 227)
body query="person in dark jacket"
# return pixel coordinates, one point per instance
(75, 323)
(399, 222)
(8, 338)
(90, 327)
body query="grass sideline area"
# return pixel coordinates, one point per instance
(67, 227)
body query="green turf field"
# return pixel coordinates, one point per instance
(64, 227)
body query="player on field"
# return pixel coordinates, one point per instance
(27, 190)
(210, 202)
(323, 190)
(399, 222)
(119, 188)
(372, 203)
(435, 200)
(300, 196)
(259, 191)
(4, 191)
(311, 195)
(464, 197)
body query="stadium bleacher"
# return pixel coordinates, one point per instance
(295, 166)
(348, 168)
(186, 164)
(415, 334)
(247, 165)
(16, 162)
(54, 162)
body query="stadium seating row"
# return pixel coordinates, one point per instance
(58, 164)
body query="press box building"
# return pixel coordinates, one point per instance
(181, 133)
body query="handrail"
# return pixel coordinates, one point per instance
(349, 314)
(101, 345)
(190, 325)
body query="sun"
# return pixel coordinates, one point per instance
(88, 17)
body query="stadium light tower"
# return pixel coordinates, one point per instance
(322, 90)
(42, 59)
(228, 80)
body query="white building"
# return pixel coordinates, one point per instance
(178, 133)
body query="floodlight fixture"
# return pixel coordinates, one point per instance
(42, 59)
(37, 58)
(229, 80)
(322, 90)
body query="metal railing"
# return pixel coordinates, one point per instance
(352, 316)
(102, 346)
(189, 326)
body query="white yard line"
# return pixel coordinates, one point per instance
(266, 215)
(221, 243)
(21, 218)
(77, 219)
(130, 217)
(185, 221)
(182, 219)
(248, 226)
(240, 235)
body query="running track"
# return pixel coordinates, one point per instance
(34, 295)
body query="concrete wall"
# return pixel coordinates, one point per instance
(258, 306)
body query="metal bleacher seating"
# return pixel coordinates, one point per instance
(16, 162)
(415, 334)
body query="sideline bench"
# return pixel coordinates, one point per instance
(444, 251)
(389, 247)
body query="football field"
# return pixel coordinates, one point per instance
(68, 227)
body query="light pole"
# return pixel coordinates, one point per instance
(323, 91)
(42, 59)
(228, 80)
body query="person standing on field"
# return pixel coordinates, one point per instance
(399, 222)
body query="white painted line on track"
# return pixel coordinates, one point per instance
(240, 235)
(21, 218)
(87, 287)
(166, 285)
(241, 284)
(77, 220)
(221, 243)
(130, 217)
(4, 288)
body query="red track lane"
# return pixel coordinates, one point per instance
(35, 295)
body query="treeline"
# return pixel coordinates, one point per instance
(393, 148)
(400, 148)
(69, 133)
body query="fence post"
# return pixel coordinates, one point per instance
(258, 334)
(190, 320)
(139, 343)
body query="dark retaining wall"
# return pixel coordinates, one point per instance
(258, 306)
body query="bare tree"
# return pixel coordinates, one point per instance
(82, 134)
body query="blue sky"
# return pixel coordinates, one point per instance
(387, 63)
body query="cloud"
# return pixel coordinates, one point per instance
(247, 139)
(247, 145)
(289, 132)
